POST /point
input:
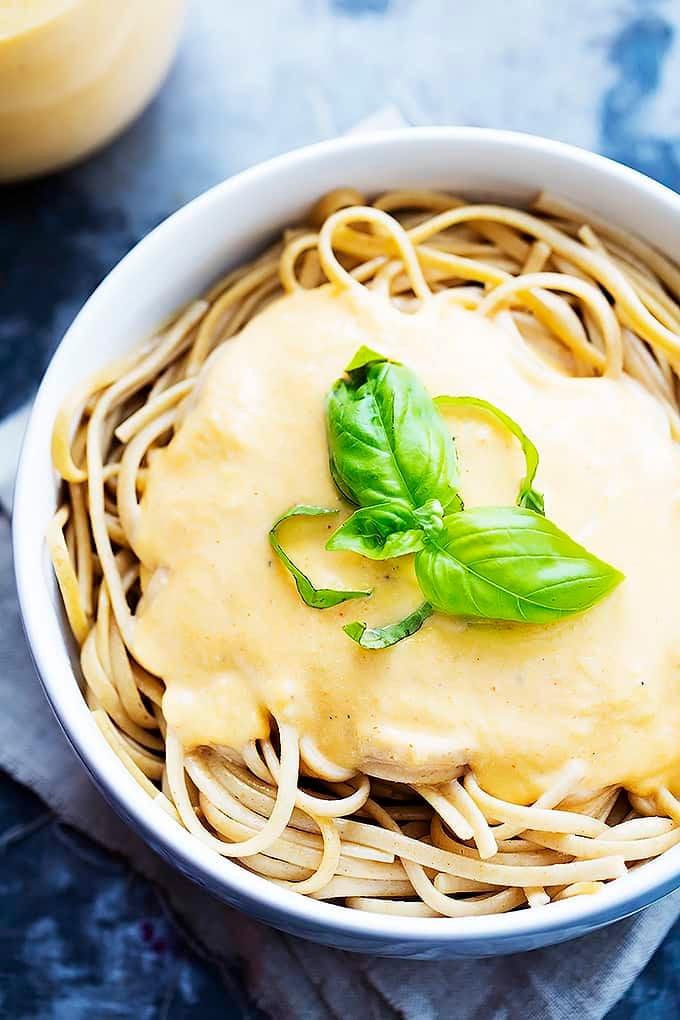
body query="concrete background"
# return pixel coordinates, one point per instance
(80, 935)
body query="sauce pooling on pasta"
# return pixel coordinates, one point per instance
(221, 622)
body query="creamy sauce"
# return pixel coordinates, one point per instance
(222, 624)
(74, 72)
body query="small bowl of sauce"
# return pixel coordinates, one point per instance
(74, 73)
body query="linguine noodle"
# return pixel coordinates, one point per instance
(598, 302)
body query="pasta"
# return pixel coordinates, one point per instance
(597, 302)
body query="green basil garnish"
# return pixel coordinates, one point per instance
(430, 516)
(379, 532)
(528, 496)
(364, 357)
(390, 454)
(386, 440)
(388, 529)
(317, 598)
(509, 563)
(382, 637)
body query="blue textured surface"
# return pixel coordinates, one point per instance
(80, 935)
(83, 937)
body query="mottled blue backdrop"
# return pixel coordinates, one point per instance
(80, 935)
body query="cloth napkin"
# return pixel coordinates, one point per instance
(287, 977)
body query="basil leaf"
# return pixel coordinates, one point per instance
(430, 516)
(317, 598)
(388, 529)
(364, 357)
(509, 563)
(528, 496)
(379, 532)
(387, 443)
(383, 637)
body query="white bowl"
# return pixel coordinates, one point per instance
(174, 263)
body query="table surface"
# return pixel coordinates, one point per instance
(252, 80)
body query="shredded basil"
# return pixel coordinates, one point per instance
(317, 598)
(528, 496)
(382, 637)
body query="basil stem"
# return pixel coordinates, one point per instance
(317, 598)
(528, 496)
(382, 637)
(386, 440)
(510, 563)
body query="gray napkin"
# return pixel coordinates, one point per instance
(287, 977)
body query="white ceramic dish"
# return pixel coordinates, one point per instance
(174, 263)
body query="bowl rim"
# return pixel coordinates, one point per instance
(227, 878)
